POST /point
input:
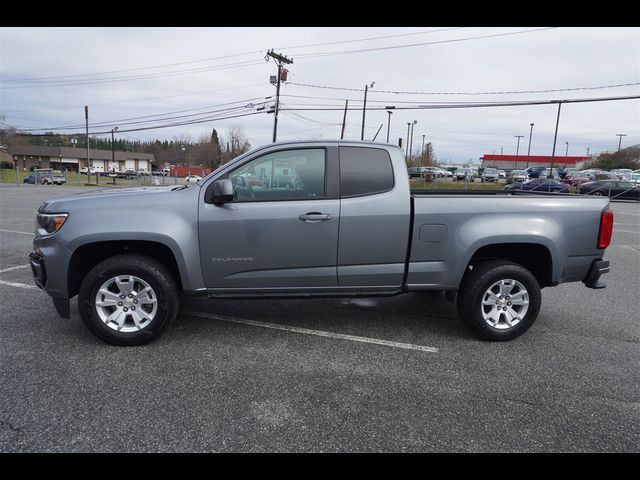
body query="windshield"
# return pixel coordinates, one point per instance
(490, 170)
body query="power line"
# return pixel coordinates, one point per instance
(121, 122)
(486, 104)
(127, 69)
(208, 59)
(73, 107)
(156, 127)
(377, 49)
(138, 77)
(372, 38)
(597, 87)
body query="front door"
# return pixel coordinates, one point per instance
(281, 230)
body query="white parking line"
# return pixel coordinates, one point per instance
(15, 231)
(19, 285)
(307, 331)
(13, 268)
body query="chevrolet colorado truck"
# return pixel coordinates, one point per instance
(313, 218)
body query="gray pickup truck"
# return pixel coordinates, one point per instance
(317, 218)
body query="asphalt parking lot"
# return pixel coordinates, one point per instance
(217, 382)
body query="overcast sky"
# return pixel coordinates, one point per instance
(123, 73)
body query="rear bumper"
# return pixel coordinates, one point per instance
(598, 268)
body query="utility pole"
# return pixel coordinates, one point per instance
(86, 119)
(529, 149)
(344, 118)
(518, 147)
(279, 59)
(364, 108)
(555, 137)
(422, 151)
(566, 152)
(620, 142)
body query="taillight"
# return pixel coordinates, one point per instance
(606, 229)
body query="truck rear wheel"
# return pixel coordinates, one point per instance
(128, 299)
(499, 300)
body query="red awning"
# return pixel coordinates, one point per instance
(533, 159)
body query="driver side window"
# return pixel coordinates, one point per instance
(284, 175)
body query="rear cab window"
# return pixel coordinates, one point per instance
(365, 171)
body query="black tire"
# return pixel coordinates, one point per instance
(148, 269)
(472, 290)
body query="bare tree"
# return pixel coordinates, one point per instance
(236, 143)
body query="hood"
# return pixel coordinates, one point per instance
(97, 196)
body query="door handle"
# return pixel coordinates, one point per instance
(314, 217)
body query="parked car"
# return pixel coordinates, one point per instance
(621, 172)
(424, 172)
(462, 173)
(416, 172)
(192, 178)
(602, 175)
(492, 253)
(611, 189)
(633, 178)
(490, 175)
(567, 172)
(517, 176)
(577, 177)
(546, 172)
(88, 171)
(502, 173)
(534, 170)
(30, 179)
(57, 178)
(539, 185)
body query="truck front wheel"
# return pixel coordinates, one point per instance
(128, 299)
(499, 300)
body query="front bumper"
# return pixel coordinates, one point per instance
(598, 268)
(40, 278)
(37, 268)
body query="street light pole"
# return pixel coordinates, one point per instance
(566, 152)
(529, 149)
(406, 147)
(518, 147)
(389, 122)
(113, 151)
(555, 137)
(411, 141)
(620, 141)
(364, 108)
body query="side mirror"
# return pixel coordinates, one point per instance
(220, 191)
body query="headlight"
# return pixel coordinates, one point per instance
(51, 222)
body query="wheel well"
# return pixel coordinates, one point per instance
(534, 257)
(88, 256)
